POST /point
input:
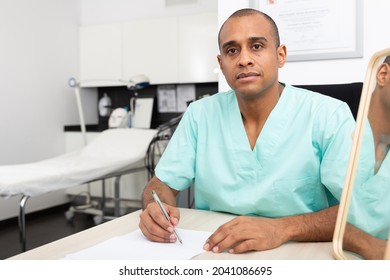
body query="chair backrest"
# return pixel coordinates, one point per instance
(159, 143)
(349, 93)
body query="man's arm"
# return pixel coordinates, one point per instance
(360, 242)
(164, 192)
(152, 223)
(316, 226)
(244, 234)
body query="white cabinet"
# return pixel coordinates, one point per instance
(169, 50)
(198, 48)
(101, 60)
(150, 47)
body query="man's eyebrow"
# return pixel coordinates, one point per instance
(251, 39)
(228, 43)
(260, 38)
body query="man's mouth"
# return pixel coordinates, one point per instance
(246, 75)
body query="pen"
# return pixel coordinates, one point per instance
(158, 201)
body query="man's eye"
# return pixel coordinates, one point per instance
(231, 51)
(257, 46)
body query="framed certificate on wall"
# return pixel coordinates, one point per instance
(318, 29)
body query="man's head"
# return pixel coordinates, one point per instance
(387, 60)
(380, 98)
(250, 52)
(250, 12)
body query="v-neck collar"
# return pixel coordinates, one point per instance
(269, 135)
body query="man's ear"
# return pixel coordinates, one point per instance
(220, 62)
(282, 55)
(383, 74)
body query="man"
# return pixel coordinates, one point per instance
(379, 113)
(265, 151)
(368, 225)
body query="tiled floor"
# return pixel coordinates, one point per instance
(41, 228)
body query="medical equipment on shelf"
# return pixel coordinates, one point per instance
(143, 111)
(105, 106)
(138, 82)
(134, 83)
(118, 118)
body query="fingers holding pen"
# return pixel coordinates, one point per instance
(174, 215)
(155, 226)
(170, 213)
(167, 223)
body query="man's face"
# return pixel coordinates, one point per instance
(249, 58)
(383, 81)
(387, 87)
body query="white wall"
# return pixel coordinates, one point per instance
(108, 11)
(38, 53)
(375, 37)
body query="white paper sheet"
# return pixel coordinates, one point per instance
(135, 246)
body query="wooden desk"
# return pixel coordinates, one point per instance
(190, 219)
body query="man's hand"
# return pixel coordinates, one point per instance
(153, 223)
(244, 234)
(155, 226)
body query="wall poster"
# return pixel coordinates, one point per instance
(318, 29)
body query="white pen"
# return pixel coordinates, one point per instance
(158, 201)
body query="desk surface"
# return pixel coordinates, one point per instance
(190, 219)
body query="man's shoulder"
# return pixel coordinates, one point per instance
(302, 93)
(216, 99)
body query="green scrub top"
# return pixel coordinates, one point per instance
(298, 162)
(370, 202)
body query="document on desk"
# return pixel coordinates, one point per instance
(135, 246)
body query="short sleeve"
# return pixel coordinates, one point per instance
(176, 168)
(335, 136)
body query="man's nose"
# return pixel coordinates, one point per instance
(245, 58)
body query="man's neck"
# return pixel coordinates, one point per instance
(255, 112)
(379, 121)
